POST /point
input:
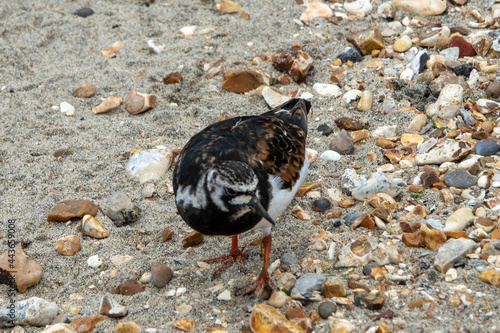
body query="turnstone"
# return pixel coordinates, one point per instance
(240, 174)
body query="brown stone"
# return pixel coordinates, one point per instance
(266, 318)
(334, 214)
(345, 203)
(393, 155)
(385, 143)
(490, 277)
(161, 274)
(365, 221)
(495, 234)
(333, 288)
(228, 6)
(384, 327)
(128, 327)
(412, 239)
(173, 78)
(69, 209)
(429, 176)
(216, 68)
(378, 273)
(456, 234)
(418, 303)
(26, 271)
(338, 75)
(167, 234)
(432, 238)
(295, 62)
(493, 90)
(360, 135)
(366, 40)
(301, 214)
(410, 226)
(348, 124)
(86, 324)
(370, 301)
(244, 80)
(192, 239)
(109, 307)
(415, 189)
(68, 245)
(129, 288)
(85, 90)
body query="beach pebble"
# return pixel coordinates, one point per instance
(348, 123)
(321, 205)
(128, 288)
(296, 62)
(184, 309)
(265, 318)
(350, 54)
(465, 48)
(94, 261)
(113, 50)
(487, 147)
(324, 89)
(301, 214)
(449, 101)
(278, 299)
(119, 208)
(491, 277)
(377, 183)
(68, 209)
(365, 101)
(316, 9)
(452, 251)
(423, 7)
(463, 69)
(136, 102)
(444, 151)
(228, 6)
(330, 155)
(68, 245)
(306, 284)
(109, 307)
(351, 95)
(91, 227)
(161, 274)
(86, 324)
(173, 78)
(367, 40)
(417, 65)
(460, 178)
(342, 143)
(403, 44)
(432, 238)
(187, 31)
(244, 80)
(156, 46)
(85, 90)
(109, 104)
(149, 165)
(33, 311)
(493, 90)
(184, 324)
(385, 132)
(224, 296)
(192, 239)
(358, 7)
(25, 271)
(459, 219)
(273, 98)
(333, 288)
(326, 309)
(365, 249)
(84, 12)
(128, 327)
(167, 234)
(67, 109)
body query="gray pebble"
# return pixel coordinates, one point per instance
(84, 12)
(308, 283)
(288, 259)
(326, 309)
(161, 274)
(378, 183)
(342, 143)
(460, 178)
(350, 217)
(487, 147)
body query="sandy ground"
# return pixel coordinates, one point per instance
(46, 51)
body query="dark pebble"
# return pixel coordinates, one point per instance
(423, 265)
(424, 57)
(438, 133)
(342, 143)
(367, 269)
(460, 178)
(288, 259)
(326, 309)
(325, 129)
(84, 12)
(459, 264)
(348, 124)
(62, 152)
(480, 135)
(487, 147)
(467, 117)
(463, 70)
(350, 217)
(321, 205)
(337, 223)
(161, 274)
(351, 54)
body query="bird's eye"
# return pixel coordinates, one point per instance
(230, 191)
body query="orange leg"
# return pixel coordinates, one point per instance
(234, 255)
(256, 286)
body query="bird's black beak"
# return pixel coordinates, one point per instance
(257, 208)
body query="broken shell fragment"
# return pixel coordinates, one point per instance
(91, 227)
(228, 6)
(110, 103)
(316, 9)
(136, 102)
(114, 49)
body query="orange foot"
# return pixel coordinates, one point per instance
(256, 286)
(228, 260)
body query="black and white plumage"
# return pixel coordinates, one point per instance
(240, 174)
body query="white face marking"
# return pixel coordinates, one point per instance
(186, 198)
(240, 200)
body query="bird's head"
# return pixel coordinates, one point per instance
(233, 188)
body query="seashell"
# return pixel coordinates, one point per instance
(136, 102)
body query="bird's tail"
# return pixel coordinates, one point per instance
(294, 112)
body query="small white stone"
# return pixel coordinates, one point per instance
(330, 155)
(224, 296)
(149, 165)
(94, 261)
(352, 95)
(273, 98)
(406, 75)
(67, 109)
(458, 220)
(449, 101)
(335, 194)
(325, 89)
(385, 132)
(188, 31)
(358, 7)
(184, 309)
(145, 278)
(156, 46)
(120, 259)
(451, 275)
(307, 95)
(180, 291)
